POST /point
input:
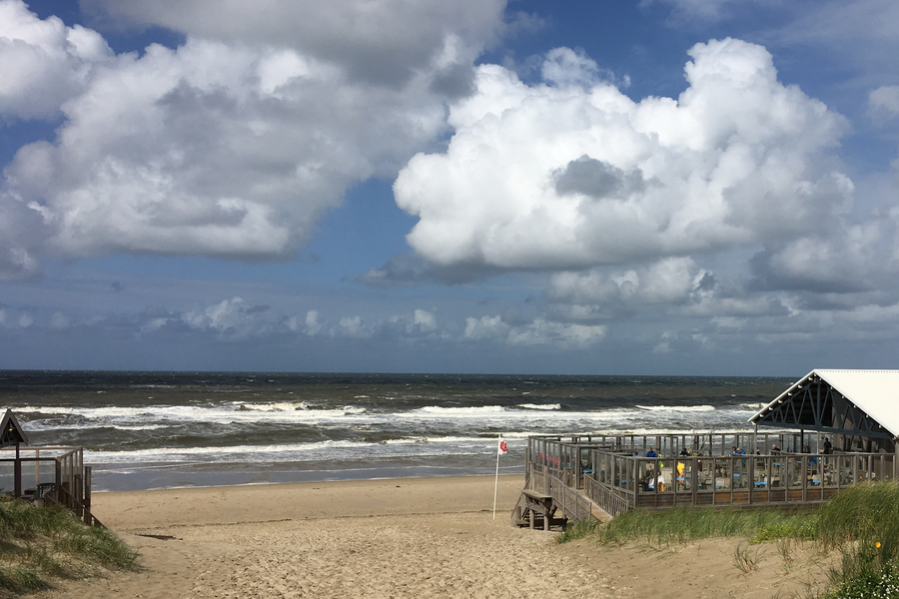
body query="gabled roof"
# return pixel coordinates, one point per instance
(11, 432)
(876, 392)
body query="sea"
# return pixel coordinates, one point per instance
(145, 430)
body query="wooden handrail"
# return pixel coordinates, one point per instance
(89, 518)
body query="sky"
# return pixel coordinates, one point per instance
(657, 187)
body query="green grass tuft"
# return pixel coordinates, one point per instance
(37, 543)
(21, 579)
(861, 522)
(684, 524)
(578, 530)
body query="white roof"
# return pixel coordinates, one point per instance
(874, 391)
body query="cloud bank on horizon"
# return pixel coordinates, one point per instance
(726, 216)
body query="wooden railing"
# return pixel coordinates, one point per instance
(604, 497)
(574, 506)
(618, 477)
(735, 479)
(59, 478)
(572, 453)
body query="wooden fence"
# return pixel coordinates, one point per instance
(50, 476)
(736, 479)
(615, 474)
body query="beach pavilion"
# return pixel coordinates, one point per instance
(855, 409)
(829, 430)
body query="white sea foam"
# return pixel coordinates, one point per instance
(318, 451)
(446, 439)
(677, 408)
(278, 406)
(534, 406)
(459, 412)
(276, 412)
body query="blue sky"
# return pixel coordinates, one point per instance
(654, 187)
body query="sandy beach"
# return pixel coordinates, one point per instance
(428, 537)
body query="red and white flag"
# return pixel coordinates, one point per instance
(502, 448)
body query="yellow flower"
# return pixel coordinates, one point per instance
(877, 544)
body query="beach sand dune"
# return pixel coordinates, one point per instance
(391, 538)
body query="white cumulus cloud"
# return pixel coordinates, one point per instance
(560, 176)
(385, 41)
(216, 150)
(540, 331)
(43, 63)
(885, 99)
(233, 144)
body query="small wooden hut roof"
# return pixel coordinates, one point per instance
(11, 432)
(854, 402)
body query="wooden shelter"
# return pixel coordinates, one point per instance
(60, 477)
(845, 429)
(11, 433)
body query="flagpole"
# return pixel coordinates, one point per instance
(496, 482)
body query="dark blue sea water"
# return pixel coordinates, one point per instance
(165, 429)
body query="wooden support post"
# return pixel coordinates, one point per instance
(634, 478)
(750, 473)
(770, 484)
(88, 515)
(694, 480)
(714, 472)
(733, 479)
(804, 466)
(17, 474)
(59, 494)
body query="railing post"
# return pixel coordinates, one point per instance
(17, 474)
(804, 474)
(694, 480)
(751, 478)
(635, 471)
(731, 475)
(58, 481)
(88, 514)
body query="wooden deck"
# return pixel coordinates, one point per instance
(598, 478)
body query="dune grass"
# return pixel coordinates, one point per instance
(684, 524)
(861, 523)
(37, 544)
